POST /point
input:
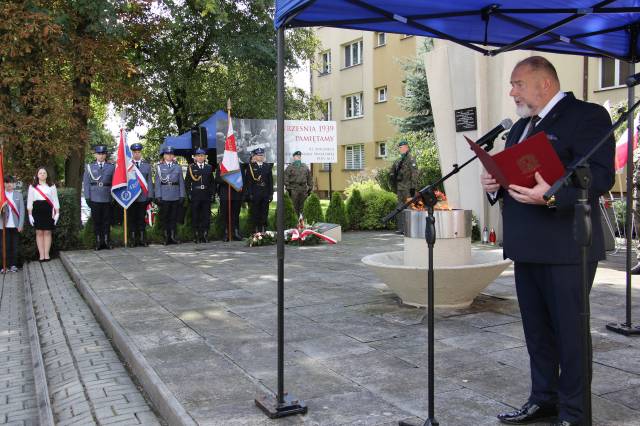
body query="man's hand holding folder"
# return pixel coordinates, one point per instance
(526, 170)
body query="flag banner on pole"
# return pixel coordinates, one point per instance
(125, 187)
(230, 166)
(3, 196)
(621, 145)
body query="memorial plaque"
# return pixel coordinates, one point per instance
(466, 119)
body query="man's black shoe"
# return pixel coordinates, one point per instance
(529, 413)
(636, 269)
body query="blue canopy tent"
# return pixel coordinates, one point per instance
(606, 28)
(182, 143)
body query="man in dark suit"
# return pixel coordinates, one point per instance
(201, 190)
(258, 187)
(538, 237)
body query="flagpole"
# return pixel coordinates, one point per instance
(4, 224)
(125, 227)
(229, 234)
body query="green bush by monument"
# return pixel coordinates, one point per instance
(290, 218)
(312, 210)
(336, 212)
(355, 210)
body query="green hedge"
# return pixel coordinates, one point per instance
(65, 236)
(355, 210)
(336, 212)
(290, 218)
(312, 210)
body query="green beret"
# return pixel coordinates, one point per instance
(403, 143)
(297, 153)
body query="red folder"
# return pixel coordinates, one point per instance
(517, 164)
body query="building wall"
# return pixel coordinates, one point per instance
(380, 67)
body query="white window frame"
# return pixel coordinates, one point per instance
(616, 81)
(382, 146)
(354, 157)
(351, 109)
(381, 36)
(325, 62)
(349, 49)
(328, 110)
(382, 90)
(405, 36)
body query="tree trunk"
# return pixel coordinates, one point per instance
(74, 164)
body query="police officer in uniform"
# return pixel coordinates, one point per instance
(169, 192)
(230, 204)
(138, 210)
(258, 186)
(201, 189)
(404, 178)
(298, 182)
(97, 193)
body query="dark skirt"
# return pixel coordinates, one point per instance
(42, 216)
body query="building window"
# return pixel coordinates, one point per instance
(353, 106)
(354, 157)
(381, 39)
(382, 149)
(613, 73)
(353, 54)
(325, 62)
(382, 94)
(327, 111)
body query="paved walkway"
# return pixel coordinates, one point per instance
(17, 391)
(203, 318)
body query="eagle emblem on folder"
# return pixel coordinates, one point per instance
(528, 164)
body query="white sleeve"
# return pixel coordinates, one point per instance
(54, 197)
(30, 196)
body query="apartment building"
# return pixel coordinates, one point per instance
(358, 76)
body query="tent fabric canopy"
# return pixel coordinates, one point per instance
(607, 28)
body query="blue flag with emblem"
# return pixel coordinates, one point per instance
(125, 185)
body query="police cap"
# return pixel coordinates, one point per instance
(258, 151)
(136, 147)
(100, 149)
(167, 150)
(200, 151)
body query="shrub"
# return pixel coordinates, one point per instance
(290, 218)
(355, 209)
(363, 186)
(65, 236)
(336, 212)
(312, 210)
(378, 204)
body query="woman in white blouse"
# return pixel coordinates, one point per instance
(44, 210)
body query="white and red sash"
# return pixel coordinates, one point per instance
(13, 207)
(296, 234)
(46, 198)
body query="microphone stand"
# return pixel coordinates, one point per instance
(579, 176)
(430, 200)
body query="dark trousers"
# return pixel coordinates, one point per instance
(550, 298)
(259, 211)
(102, 215)
(169, 214)
(200, 215)
(135, 216)
(298, 198)
(235, 213)
(12, 237)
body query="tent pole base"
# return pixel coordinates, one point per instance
(428, 422)
(624, 329)
(275, 410)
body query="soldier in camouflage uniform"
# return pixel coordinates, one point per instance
(636, 207)
(404, 178)
(298, 182)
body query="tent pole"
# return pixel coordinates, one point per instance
(627, 328)
(284, 404)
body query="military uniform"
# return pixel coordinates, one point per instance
(201, 189)
(404, 178)
(169, 192)
(258, 186)
(230, 204)
(97, 193)
(137, 212)
(298, 182)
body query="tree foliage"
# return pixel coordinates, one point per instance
(416, 102)
(208, 51)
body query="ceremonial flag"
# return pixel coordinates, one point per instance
(621, 145)
(125, 187)
(3, 196)
(230, 166)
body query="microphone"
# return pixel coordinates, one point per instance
(632, 80)
(493, 133)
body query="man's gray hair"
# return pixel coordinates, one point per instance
(539, 63)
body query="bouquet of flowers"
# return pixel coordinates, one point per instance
(304, 235)
(266, 238)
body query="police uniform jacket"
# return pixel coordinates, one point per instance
(258, 180)
(97, 182)
(169, 182)
(145, 170)
(199, 182)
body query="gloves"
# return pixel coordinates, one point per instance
(270, 199)
(89, 203)
(31, 219)
(55, 218)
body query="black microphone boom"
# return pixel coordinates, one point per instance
(632, 80)
(490, 137)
